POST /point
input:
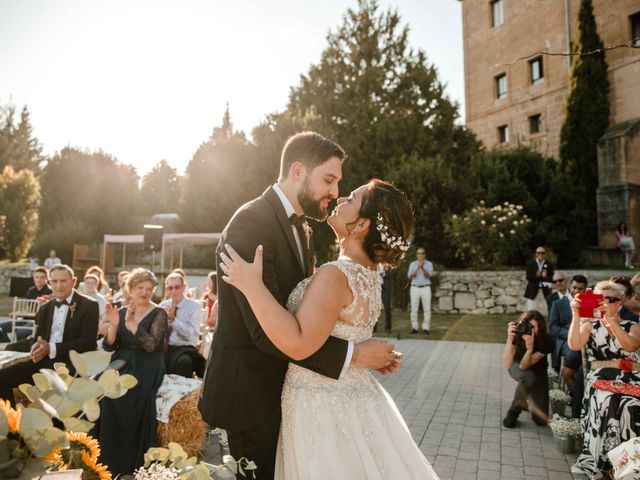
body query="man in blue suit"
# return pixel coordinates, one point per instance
(559, 322)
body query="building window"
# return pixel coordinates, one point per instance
(537, 73)
(503, 134)
(535, 123)
(635, 29)
(497, 15)
(501, 86)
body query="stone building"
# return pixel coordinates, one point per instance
(516, 94)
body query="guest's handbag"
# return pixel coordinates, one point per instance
(616, 386)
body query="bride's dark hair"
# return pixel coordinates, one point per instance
(384, 200)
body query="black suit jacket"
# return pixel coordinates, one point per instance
(80, 328)
(534, 283)
(245, 371)
(551, 299)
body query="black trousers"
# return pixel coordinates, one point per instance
(386, 302)
(15, 375)
(532, 383)
(258, 445)
(185, 360)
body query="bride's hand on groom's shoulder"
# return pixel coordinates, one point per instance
(377, 355)
(239, 273)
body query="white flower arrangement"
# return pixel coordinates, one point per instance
(156, 471)
(557, 395)
(552, 374)
(566, 426)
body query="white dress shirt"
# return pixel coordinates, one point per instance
(57, 325)
(288, 208)
(185, 329)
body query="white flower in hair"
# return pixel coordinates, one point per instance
(391, 240)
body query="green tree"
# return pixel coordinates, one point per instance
(160, 190)
(19, 147)
(19, 203)
(92, 193)
(586, 112)
(382, 101)
(218, 179)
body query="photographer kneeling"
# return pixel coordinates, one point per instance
(525, 357)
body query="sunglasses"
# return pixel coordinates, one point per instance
(559, 281)
(540, 253)
(171, 287)
(612, 299)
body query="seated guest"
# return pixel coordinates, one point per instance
(136, 334)
(630, 306)
(610, 410)
(40, 287)
(91, 287)
(559, 322)
(525, 357)
(118, 297)
(103, 285)
(560, 284)
(184, 317)
(67, 322)
(210, 299)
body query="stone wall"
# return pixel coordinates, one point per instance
(12, 270)
(492, 292)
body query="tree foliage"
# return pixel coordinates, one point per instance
(19, 148)
(587, 112)
(160, 190)
(19, 203)
(91, 189)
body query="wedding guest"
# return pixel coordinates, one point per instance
(119, 296)
(386, 281)
(635, 283)
(103, 285)
(136, 334)
(539, 275)
(624, 241)
(420, 272)
(67, 322)
(91, 287)
(610, 407)
(210, 299)
(41, 286)
(560, 284)
(52, 260)
(630, 306)
(525, 357)
(184, 316)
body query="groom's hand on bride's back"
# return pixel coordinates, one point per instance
(377, 355)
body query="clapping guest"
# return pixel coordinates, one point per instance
(611, 407)
(184, 316)
(136, 334)
(67, 322)
(119, 296)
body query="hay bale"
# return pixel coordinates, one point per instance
(185, 426)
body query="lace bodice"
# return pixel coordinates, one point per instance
(356, 321)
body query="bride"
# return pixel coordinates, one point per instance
(346, 428)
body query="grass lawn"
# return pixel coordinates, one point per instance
(459, 327)
(464, 328)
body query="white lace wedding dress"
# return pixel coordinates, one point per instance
(348, 428)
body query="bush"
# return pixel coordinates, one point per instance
(19, 203)
(61, 237)
(488, 237)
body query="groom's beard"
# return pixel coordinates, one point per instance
(310, 206)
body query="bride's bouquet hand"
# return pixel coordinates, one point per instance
(242, 275)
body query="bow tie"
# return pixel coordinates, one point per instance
(297, 221)
(59, 304)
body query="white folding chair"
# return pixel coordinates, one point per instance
(23, 316)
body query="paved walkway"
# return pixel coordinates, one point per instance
(453, 396)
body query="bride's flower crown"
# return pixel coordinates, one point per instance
(391, 240)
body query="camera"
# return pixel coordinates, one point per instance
(522, 328)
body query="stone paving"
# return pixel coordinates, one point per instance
(453, 396)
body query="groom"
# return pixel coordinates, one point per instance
(245, 371)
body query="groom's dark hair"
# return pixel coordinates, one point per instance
(309, 148)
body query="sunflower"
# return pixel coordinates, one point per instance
(82, 441)
(93, 470)
(13, 416)
(54, 456)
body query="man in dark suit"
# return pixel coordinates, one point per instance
(539, 274)
(559, 323)
(67, 322)
(386, 280)
(245, 371)
(561, 289)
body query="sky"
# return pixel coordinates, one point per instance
(145, 80)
